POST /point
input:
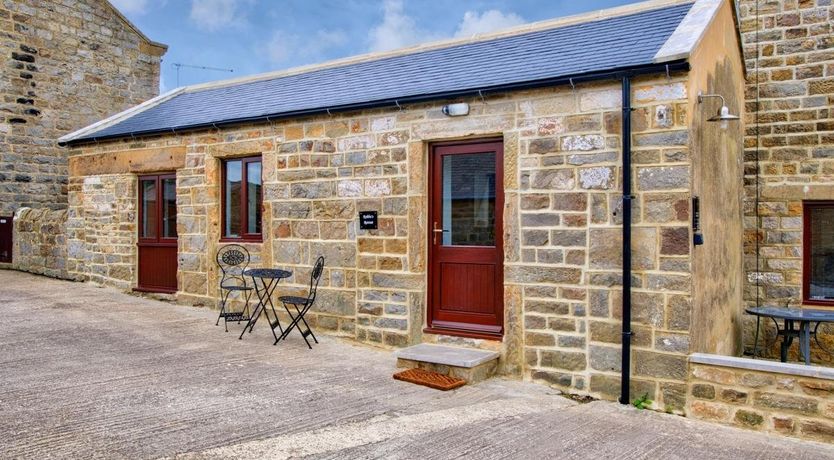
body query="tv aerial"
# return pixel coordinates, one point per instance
(180, 65)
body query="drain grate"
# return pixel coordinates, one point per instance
(430, 379)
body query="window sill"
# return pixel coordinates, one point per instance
(242, 240)
(818, 303)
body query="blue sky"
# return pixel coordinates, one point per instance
(253, 36)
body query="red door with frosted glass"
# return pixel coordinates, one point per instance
(466, 281)
(158, 233)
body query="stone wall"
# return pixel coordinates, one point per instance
(569, 251)
(789, 401)
(67, 65)
(795, 141)
(101, 229)
(561, 217)
(40, 242)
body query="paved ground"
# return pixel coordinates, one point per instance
(89, 372)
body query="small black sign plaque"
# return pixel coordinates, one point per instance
(367, 220)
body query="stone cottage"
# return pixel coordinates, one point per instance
(496, 168)
(68, 64)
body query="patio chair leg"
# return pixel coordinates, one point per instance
(223, 300)
(245, 307)
(307, 341)
(303, 333)
(309, 329)
(756, 340)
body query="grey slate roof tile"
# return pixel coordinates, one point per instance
(572, 50)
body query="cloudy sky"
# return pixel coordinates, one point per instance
(253, 36)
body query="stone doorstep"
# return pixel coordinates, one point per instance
(465, 363)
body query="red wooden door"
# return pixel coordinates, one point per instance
(466, 281)
(157, 233)
(6, 232)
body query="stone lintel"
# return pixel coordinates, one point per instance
(128, 161)
(448, 356)
(798, 192)
(760, 365)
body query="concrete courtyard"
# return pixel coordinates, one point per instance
(88, 372)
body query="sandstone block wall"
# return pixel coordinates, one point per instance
(763, 401)
(567, 266)
(67, 64)
(562, 223)
(101, 229)
(40, 242)
(795, 140)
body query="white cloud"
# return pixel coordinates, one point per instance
(218, 14)
(131, 6)
(397, 30)
(491, 20)
(284, 47)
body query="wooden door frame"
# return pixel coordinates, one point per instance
(499, 237)
(159, 240)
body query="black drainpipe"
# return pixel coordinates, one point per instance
(625, 379)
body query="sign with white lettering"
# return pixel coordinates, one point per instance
(367, 220)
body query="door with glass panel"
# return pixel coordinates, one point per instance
(466, 281)
(157, 233)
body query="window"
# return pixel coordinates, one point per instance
(158, 208)
(242, 197)
(818, 253)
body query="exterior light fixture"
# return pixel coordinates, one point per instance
(724, 116)
(456, 110)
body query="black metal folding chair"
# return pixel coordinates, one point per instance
(233, 260)
(302, 305)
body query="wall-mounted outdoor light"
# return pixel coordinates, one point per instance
(456, 110)
(724, 116)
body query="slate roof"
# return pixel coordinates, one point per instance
(614, 43)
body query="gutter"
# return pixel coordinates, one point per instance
(679, 65)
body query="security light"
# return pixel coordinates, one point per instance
(456, 110)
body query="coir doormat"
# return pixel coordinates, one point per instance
(430, 379)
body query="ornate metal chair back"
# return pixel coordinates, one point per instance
(232, 260)
(315, 277)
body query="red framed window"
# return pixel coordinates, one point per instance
(158, 209)
(242, 199)
(818, 253)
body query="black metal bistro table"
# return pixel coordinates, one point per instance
(805, 317)
(269, 281)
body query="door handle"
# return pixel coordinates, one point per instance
(435, 231)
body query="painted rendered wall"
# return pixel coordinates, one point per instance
(717, 181)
